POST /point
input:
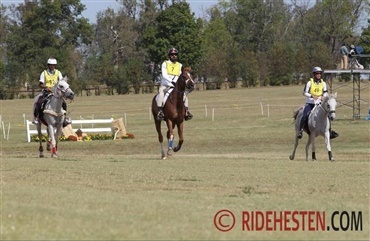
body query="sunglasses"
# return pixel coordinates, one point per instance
(318, 73)
(173, 54)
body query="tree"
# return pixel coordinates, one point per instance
(324, 27)
(41, 29)
(175, 27)
(365, 42)
(216, 46)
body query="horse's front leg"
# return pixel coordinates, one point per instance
(181, 138)
(48, 144)
(313, 143)
(170, 137)
(311, 139)
(58, 134)
(328, 146)
(160, 136)
(41, 148)
(53, 141)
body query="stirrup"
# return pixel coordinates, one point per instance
(300, 135)
(188, 116)
(35, 121)
(333, 135)
(160, 116)
(68, 120)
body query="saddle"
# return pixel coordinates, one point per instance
(167, 93)
(44, 100)
(41, 104)
(305, 124)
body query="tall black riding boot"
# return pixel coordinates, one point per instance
(36, 115)
(160, 115)
(67, 121)
(188, 115)
(301, 127)
(333, 134)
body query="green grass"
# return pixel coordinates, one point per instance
(122, 190)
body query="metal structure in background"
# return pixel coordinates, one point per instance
(355, 81)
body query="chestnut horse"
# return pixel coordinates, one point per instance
(174, 112)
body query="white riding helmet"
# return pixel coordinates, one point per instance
(316, 69)
(52, 61)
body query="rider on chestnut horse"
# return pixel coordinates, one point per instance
(171, 70)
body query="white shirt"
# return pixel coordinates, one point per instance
(168, 78)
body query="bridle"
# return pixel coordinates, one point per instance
(327, 111)
(189, 84)
(62, 91)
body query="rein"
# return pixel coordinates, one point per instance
(187, 89)
(328, 112)
(63, 94)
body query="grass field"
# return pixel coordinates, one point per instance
(234, 157)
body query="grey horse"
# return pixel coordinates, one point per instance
(52, 115)
(318, 125)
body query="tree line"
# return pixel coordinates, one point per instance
(258, 42)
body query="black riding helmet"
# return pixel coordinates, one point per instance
(173, 51)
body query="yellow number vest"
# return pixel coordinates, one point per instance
(173, 68)
(51, 80)
(316, 88)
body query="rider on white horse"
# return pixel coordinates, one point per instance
(48, 79)
(315, 89)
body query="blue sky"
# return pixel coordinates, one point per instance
(94, 6)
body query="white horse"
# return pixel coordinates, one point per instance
(318, 125)
(52, 115)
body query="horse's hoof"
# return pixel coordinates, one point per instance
(332, 159)
(41, 155)
(164, 157)
(54, 156)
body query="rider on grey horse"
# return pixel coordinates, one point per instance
(314, 90)
(48, 79)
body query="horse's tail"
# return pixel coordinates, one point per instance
(296, 111)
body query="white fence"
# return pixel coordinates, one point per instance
(80, 124)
